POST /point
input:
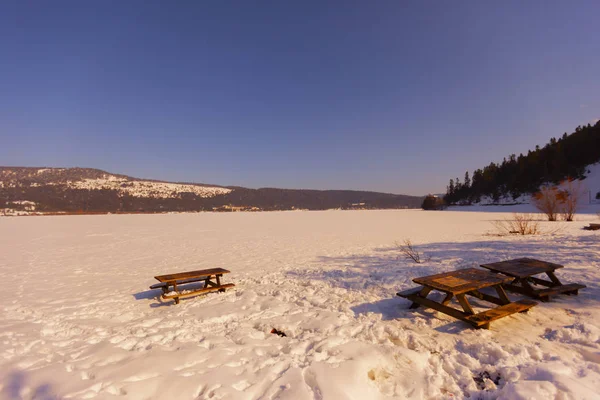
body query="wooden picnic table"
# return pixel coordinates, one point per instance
(211, 278)
(592, 227)
(521, 270)
(461, 283)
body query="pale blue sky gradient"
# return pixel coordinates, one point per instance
(394, 96)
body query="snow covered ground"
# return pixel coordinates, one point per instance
(78, 321)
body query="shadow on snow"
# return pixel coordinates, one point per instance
(16, 382)
(386, 271)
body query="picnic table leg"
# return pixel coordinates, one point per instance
(502, 294)
(423, 293)
(447, 298)
(553, 278)
(465, 304)
(486, 297)
(529, 290)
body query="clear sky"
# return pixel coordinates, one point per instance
(394, 96)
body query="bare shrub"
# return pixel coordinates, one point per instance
(519, 224)
(570, 197)
(409, 251)
(549, 201)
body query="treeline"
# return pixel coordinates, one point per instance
(559, 159)
(59, 198)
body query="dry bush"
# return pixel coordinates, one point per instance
(409, 251)
(519, 224)
(570, 196)
(549, 201)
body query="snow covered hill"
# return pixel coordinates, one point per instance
(591, 183)
(84, 190)
(93, 179)
(589, 186)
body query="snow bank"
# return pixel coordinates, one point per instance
(79, 321)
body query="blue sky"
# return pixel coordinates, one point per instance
(394, 96)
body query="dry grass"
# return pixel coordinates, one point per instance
(548, 201)
(519, 224)
(407, 248)
(571, 195)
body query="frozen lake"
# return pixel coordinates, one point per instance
(78, 320)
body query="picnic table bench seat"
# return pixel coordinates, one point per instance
(208, 276)
(571, 288)
(409, 292)
(488, 316)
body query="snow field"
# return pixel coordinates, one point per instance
(78, 321)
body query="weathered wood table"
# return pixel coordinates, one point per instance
(176, 280)
(521, 270)
(464, 282)
(592, 227)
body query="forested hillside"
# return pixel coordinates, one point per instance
(565, 157)
(87, 190)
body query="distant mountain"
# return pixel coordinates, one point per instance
(85, 190)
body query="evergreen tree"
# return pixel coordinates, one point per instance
(559, 159)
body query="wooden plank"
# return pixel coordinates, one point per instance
(553, 278)
(522, 267)
(191, 274)
(502, 294)
(485, 317)
(208, 283)
(453, 312)
(539, 281)
(465, 304)
(408, 292)
(447, 298)
(572, 287)
(423, 293)
(527, 286)
(199, 291)
(486, 297)
(462, 280)
(519, 289)
(158, 285)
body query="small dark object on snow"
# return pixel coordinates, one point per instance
(482, 376)
(277, 332)
(592, 227)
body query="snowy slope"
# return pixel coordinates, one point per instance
(93, 179)
(78, 320)
(591, 183)
(589, 187)
(141, 188)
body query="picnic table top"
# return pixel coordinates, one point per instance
(191, 274)
(462, 280)
(522, 267)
